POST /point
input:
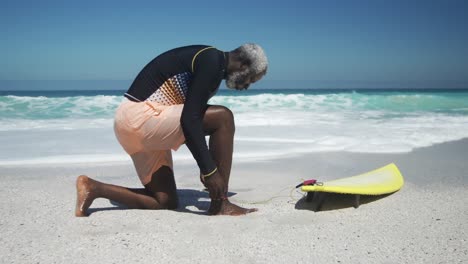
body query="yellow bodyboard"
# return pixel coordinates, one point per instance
(384, 180)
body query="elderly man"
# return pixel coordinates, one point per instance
(165, 107)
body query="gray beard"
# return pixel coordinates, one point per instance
(236, 79)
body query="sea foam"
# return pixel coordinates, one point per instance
(268, 125)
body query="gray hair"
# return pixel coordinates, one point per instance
(253, 56)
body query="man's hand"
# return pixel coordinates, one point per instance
(215, 185)
(220, 205)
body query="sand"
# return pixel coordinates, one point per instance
(425, 222)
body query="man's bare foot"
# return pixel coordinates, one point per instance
(84, 195)
(225, 207)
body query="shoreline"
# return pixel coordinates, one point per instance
(184, 157)
(424, 222)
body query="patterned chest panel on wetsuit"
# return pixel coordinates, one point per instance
(173, 91)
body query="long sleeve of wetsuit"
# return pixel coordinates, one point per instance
(206, 79)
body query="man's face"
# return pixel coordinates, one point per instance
(242, 79)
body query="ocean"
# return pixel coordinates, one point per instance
(53, 127)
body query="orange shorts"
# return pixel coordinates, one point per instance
(148, 131)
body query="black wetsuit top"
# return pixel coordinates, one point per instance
(187, 75)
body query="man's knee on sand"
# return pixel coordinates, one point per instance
(163, 188)
(170, 202)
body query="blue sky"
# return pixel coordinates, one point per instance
(310, 44)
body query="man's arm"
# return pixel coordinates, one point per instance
(205, 79)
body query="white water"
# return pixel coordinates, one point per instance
(41, 130)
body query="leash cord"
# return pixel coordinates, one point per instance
(276, 195)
